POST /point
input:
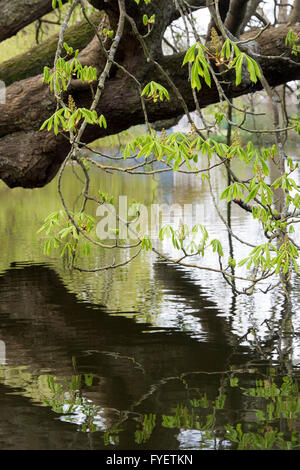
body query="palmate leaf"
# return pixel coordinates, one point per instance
(67, 120)
(231, 50)
(155, 90)
(252, 67)
(233, 191)
(200, 66)
(217, 247)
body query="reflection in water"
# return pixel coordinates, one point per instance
(150, 356)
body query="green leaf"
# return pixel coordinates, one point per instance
(217, 247)
(190, 55)
(47, 123)
(252, 194)
(102, 121)
(152, 89)
(226, 49)
(238, 69)
(195, 80)
(68, 247)
(46, 74)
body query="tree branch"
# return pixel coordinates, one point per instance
(32, 62)
(31, 158)
(16, 14)
(235, 16)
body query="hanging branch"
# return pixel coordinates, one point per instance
(214, 63)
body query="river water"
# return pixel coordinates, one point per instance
(147, 356)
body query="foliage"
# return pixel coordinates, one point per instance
(292, 40)
(66, 237)
(277, 404)
(178, 152)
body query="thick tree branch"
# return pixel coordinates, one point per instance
(235, 16)
(251, 11)
(16, 14)
(32, 62)
(30, 158)
(223, 9)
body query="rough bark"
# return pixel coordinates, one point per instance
(31, 158)
(235, 16)
(16, 14)
(32, 62)
(295, 14)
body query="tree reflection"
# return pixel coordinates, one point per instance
(272, 403)
(121, 388)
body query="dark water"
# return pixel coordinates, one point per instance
(150, 356)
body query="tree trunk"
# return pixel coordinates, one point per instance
(282, 12)
(295, 14)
